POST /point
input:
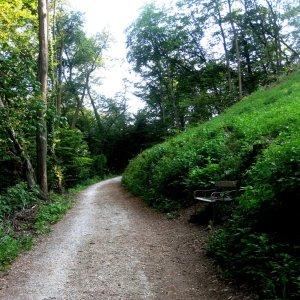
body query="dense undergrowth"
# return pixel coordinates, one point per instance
(257, 142)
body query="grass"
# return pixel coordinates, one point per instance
(11, 246)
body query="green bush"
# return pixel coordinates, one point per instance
(51, 212)
(10, 246)
(254, 258)
(16, 198)
(205, 177)
(272, 201)
(98, 165)
(73, 157)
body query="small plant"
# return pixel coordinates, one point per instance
(167, 206)
(11, 246)
(255, 258)
(16, 198)
(204, 177)
(52, 212)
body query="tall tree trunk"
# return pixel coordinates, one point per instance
(85, 89)
(59, 80)
(173, 98)
(237, 50)
(57, 54)
(161, 100)
(276, 36)
(219, 21)
(97, 117)
(52, 44)
(79, 104)
(43, 78)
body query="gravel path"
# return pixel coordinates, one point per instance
(111, 246)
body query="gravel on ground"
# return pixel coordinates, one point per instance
(110, 245)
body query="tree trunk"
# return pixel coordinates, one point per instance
(85, 89)
(219, 21)
(58, 54)
(43, 78)
(79, 104)
(161, 100)
(97, 117)
(59, 81)
(237, 50)
(173, 98)
(276, 36)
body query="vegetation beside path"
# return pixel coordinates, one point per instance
(23, 216)
(257, 142)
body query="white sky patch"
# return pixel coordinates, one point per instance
(116, 16)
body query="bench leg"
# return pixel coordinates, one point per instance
(213, 212)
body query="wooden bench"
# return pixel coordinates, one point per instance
(224, 191)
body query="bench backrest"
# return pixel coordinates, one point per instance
(226, 184)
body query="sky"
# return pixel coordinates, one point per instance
(116, 16)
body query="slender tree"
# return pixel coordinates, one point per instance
(219, 21)
(237, 47)
(43, 78)
(90, 52)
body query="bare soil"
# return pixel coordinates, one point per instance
(111, 246)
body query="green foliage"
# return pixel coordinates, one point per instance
(98, 165)
(256, 142)
(73, 156)
(16, 198)
(52, 212)
(157, 49)
(10, 173)
(271, 268)
(205, 176)
(266, 252)
(10, 246)
(14, 241)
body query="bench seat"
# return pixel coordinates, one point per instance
(224, 191)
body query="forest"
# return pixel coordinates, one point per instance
(208, 73)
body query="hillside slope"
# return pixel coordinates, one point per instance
(256, 141)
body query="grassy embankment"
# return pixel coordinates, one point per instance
(256, 141)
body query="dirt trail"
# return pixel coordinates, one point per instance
(111, 246)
